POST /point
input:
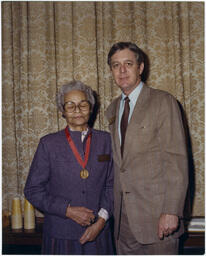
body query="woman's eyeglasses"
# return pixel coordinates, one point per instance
(70, 106)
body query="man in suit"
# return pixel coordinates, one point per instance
(150, 159)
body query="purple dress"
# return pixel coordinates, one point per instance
(54, 182)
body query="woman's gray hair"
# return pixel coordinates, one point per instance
(71, 86)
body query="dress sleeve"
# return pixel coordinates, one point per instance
(107, 198)
(37, 185)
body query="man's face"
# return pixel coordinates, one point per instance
(125, 70)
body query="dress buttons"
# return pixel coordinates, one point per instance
(83, 192)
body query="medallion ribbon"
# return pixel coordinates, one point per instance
(84, 173)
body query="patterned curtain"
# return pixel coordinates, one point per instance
(46, 44)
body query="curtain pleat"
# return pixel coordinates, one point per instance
(46, 44)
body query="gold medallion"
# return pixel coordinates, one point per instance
(84, 174)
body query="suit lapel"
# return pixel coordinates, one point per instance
(116, 134)
(136, 118)
(113, 118)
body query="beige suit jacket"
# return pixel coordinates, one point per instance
(153, 174)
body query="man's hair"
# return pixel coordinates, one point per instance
(141, 57)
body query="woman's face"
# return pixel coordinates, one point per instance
(76, 110)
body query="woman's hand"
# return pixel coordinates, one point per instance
(92, 231)
(81, 215)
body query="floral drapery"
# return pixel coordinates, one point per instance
(45, 44)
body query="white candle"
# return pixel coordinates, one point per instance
(16, 215)
(29, 216)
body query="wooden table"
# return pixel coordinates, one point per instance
(24, 242)
(192, 243)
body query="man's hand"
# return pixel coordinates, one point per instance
(167, 225)
(80, 215)
(92, 231)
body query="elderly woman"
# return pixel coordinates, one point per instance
(71, 180)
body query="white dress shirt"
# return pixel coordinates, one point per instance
(133, 96)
